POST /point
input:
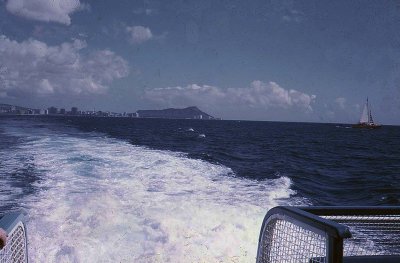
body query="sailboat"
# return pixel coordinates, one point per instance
(366, 120)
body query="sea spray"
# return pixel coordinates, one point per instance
(102, 199)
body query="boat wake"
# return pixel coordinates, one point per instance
(102, 199)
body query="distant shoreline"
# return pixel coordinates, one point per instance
(96, 116)
(192, 112)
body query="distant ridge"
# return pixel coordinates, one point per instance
(172, 113)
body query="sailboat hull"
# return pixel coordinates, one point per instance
(366, 126)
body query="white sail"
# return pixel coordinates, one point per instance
(364, 116)
(366, 120)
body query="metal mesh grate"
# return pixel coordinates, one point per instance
(15, 249)
(371, 235)
(286, 242)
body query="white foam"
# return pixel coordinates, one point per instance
(105, 200)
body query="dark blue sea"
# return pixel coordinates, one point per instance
(156, 190)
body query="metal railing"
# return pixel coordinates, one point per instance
(14, 245)
(330, 235)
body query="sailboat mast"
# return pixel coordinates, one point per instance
(370, 117)
(369, 112)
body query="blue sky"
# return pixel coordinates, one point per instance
(256, 60)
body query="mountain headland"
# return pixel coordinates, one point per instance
(172, 113)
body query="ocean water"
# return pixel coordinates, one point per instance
(151, 190)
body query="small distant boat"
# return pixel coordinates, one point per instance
(366, 120)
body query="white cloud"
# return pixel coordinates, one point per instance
(33, 68)
(46, 10)
(341, 102)
(145, 11)
(139, 34)
(293, 16)
(259, 95)
(45, 87)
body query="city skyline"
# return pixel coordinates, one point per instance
(171, 113)
(313, 61)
